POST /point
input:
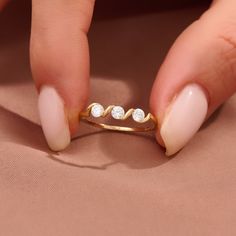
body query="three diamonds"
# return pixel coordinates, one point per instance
(117, 112)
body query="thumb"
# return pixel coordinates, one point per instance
(60, 65)
(197, 76)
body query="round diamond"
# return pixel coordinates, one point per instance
(138, 115)
(97, 110)
(117, 112)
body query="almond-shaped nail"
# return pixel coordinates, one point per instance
(183, 118)
(53, 118)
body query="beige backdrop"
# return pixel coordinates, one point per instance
(111, 183)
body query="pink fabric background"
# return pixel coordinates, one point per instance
(111, 183)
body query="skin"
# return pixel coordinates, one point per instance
(207, 47)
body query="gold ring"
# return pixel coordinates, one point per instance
(96, 110)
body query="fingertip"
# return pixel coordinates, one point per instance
(53, 118)
(183, 117)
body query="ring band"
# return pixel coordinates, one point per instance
(96, 110)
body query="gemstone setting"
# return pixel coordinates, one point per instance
(97, 110)
(138, 115)
(117, 112)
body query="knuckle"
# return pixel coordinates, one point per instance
(227, 54)
(221, 59)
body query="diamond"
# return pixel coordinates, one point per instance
(138, 115)
(97, 110)
(117, 112)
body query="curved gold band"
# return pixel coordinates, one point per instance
(119, 128)
(84, 116)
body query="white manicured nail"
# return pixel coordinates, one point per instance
(53, 119)
(184, 117)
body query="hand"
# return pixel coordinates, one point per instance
(196, 77)
(59, 56)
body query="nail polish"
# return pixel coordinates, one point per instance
(183, 118)
(53, 118)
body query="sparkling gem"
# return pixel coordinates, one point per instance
(97, 110)
(117, 112)
(138, 115)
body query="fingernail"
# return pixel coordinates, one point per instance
(183, 118)
(53, 119)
